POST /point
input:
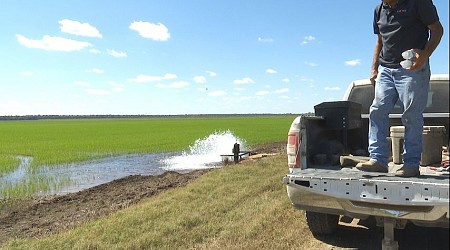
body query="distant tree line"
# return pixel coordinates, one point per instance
(48, 117)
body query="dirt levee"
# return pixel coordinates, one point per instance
(58, 213)
(35, 218)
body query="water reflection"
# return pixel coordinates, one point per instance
(87, 174)
(19, 173)
(92, 173)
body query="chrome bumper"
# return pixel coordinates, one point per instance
(361, 199)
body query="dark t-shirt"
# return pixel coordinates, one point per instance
(403, 27)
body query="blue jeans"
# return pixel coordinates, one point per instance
(411, 87)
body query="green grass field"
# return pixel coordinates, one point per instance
(60, 141)
(55, 142)
(241, 206)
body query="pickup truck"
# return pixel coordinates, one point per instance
(323, 149)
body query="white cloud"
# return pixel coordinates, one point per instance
(265, 40)
(332, 88)
(53, 43)
(286, 80)
(175, 85)
(309, 81)
(354, 62)
(283, 90)
(146, 78)
(217, 93)
(115, 87)
(211, 73)
(245, 80)
(308, 39)
(82, 83)
(311, 64)
(117, 54)
(271, 71)
(95, 51)
(95, 70)
(157, 32)
(79, 29)
(181, 84)
(99, 92)
(261, 93)
(199, 79)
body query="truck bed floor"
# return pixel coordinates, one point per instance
(355, 174)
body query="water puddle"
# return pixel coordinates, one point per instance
(19, 173)
(203, 153)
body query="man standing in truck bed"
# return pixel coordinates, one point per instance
(401, 25)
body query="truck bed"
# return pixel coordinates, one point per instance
(354, 174)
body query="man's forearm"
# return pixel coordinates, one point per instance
(376, 53)
(376, 60)
(436, 31)
(376, 57)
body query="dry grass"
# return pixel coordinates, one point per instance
(242, 206)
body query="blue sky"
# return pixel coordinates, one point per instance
(185, 57)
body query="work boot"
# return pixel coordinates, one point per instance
(407, 172)
(351, 161)
(372, 166)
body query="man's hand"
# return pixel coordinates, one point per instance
(420, 59)
(373, 77)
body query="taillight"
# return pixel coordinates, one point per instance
(293, 142)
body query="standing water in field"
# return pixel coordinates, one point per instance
(205, 153)
(73, 177)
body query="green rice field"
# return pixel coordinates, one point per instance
(56, 142)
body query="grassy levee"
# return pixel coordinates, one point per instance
(241, 206)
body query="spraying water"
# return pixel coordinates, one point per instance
(205, 153)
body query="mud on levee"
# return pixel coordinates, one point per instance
(59, 213)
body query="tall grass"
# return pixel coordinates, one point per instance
(35, 185)
(241, 206)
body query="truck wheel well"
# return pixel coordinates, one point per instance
(320, 223)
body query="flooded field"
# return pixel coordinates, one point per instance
(203, 153)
